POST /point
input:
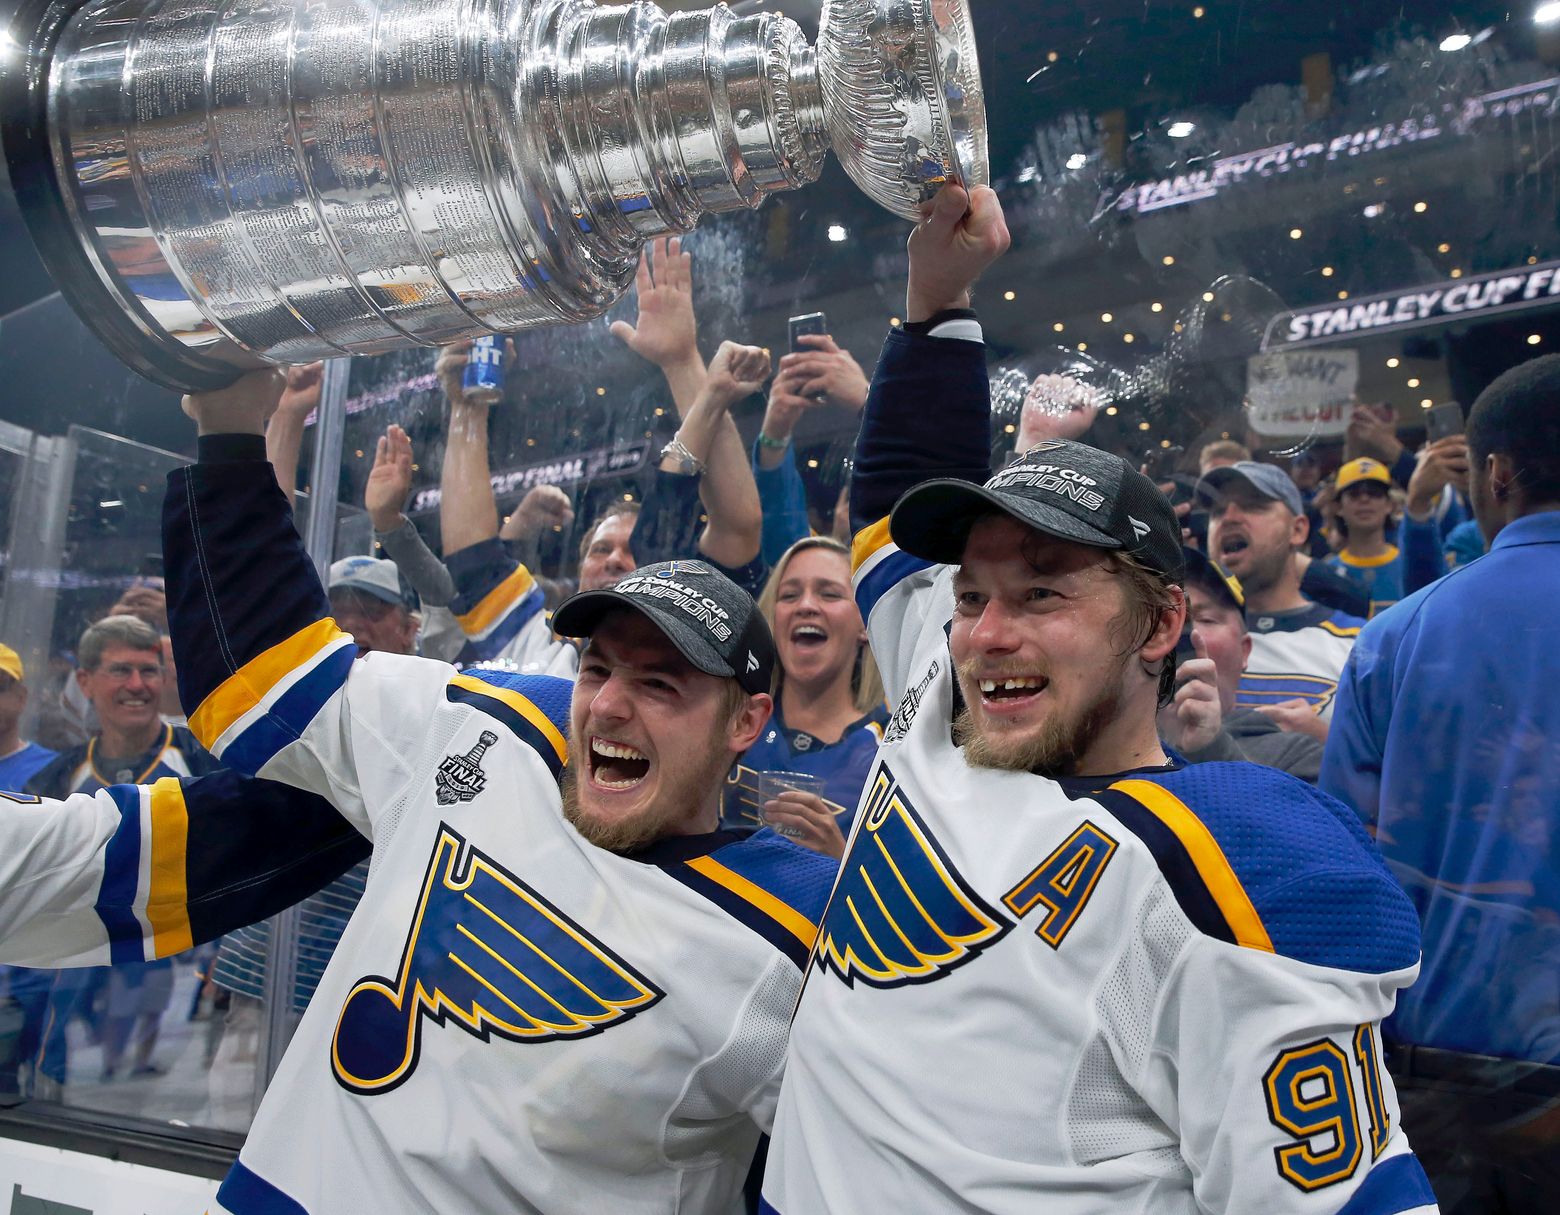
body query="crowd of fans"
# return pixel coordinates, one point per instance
(1332, 633)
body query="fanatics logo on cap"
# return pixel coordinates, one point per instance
(1139, 528)
(752, 662)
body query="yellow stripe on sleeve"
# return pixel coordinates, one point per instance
(1212, 865)
(793, 921)
(1339, 631)
(520, 705)
(243, 690)
(868, 541)
(496, 602)
(167, 905)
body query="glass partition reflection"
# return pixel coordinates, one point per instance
(1300, 233)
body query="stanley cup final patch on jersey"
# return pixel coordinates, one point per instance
(899, 724)
(490, 956)
(460, 777)
(901, 913)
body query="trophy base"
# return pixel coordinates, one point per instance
(40, 196)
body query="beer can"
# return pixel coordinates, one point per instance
(484, 378)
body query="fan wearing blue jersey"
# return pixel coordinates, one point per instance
(829, 711)
(1061, 970)
(565, 988)
(1365, 508)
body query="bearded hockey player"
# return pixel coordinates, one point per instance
(564, 990)
(1061, 970)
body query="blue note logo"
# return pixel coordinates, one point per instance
(491, 957)
(901, 912)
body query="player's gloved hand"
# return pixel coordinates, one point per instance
(243, 407)
(1192, 721)
(1296, 717)
(808, 820)
(960, 234)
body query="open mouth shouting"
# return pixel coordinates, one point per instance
(1233, 546)
(808, 638)
(615, 766)
(1010, 694)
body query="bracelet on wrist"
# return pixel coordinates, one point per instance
(773, 444)
(688, 464)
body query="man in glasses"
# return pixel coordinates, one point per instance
(121, 674)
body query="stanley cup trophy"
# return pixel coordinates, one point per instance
(220, 184)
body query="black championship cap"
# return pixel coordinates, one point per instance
(712, 621)
(1064, 489)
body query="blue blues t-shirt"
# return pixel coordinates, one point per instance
(18, 768)
(1379, 577)
(843, 765)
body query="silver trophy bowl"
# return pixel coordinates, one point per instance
(220, 184)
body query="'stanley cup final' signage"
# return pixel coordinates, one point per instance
(1417, 307)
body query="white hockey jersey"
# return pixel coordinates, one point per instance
(514, 1020)
(1159, 991)
(1297, 656)
(133, 873)
(501, 618)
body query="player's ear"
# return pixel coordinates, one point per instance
(748, 722)
(1167, 627)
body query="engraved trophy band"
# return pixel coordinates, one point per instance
(220, 184)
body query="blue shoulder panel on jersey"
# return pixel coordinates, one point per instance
(534, 707)
(121, 878)
(247, 1193)
(1304, 864)
(1392, 1187)
(776, 888)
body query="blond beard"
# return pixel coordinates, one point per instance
(1053, 748)
(656, 821)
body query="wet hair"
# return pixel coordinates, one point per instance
(1519, 416)
(131, 632)
(1148, 599)
(866, 682)
(612, 512)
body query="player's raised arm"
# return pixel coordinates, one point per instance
(928, 413)
(263, 668)
(137, 872)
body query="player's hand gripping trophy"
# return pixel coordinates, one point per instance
(219, 184)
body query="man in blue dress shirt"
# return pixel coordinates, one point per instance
(1446, 740)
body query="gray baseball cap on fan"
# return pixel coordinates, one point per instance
(1067, 490)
